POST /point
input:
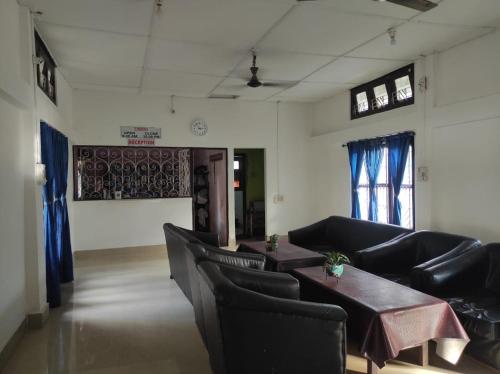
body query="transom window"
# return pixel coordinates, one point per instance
(391, 91)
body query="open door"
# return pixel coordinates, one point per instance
(249, 194)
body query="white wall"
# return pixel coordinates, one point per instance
(233, 124)
(22, 260)
(457, 137)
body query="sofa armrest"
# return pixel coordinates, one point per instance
(241, 259)
(265, 282)
(312, 234)
(396, 254)
(455, 276)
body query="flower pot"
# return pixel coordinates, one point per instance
(335, 270)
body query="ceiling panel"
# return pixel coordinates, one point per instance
(235, 86)
(464, 12)
(323, 30)
(193, 58)
(415, 39)
(355, 70)
(371, 7)
(78, 72)
(178, 83)
(95, 47)
(233, 23)
(277, 65)
(124, 16)
(313, 91)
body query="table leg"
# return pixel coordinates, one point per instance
(372, 368)
(423, 357)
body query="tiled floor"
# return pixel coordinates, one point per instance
(124, 315)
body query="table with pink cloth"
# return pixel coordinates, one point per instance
(385, 316)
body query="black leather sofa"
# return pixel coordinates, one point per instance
(471, 284)
(344, 234)
(256, 324)
(176, 239)
(196, 253)
(403, 260)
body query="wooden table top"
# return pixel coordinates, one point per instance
(369, 290)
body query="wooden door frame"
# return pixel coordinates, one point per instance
(225, 152)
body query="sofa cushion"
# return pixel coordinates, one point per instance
(480, 316)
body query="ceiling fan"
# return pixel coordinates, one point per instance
(421, 5)
(254, 81)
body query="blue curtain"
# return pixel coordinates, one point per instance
(373, 157)
(58, 254)
(399, 146)
(356, 152)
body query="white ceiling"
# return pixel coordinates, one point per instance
(200, 47)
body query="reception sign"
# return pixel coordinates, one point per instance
(140, 132)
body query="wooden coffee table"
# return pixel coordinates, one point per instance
(286, 258)
(386, 317)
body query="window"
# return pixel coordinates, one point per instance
(391, 91)
(385, 195)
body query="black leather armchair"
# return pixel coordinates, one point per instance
(343, 234)
(471, 285)
(403, 260)
(176, 239)
(196, 253)
(255, 324)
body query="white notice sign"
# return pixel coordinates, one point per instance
(140, 132)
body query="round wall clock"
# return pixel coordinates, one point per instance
(199, 127)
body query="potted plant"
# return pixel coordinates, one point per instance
(334, 264)
(272, 244)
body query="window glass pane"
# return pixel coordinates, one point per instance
(406, 193)
(362, 102)
(363, 179)
(408, 174)
(403, 88)
(383, 203)
(383, 175)
(364, 192)
(381, 95)
(364, 199)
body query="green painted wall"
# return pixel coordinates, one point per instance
(255, 174)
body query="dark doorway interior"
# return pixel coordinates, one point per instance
(249, 194)
(210, 192)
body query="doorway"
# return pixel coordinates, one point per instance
(210, 192)
(249, 194)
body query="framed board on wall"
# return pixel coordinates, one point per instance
(45, 69)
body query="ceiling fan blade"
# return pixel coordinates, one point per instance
(279, 84)
(421, 5)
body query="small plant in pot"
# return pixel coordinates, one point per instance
(272, 243)
(334, 264)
